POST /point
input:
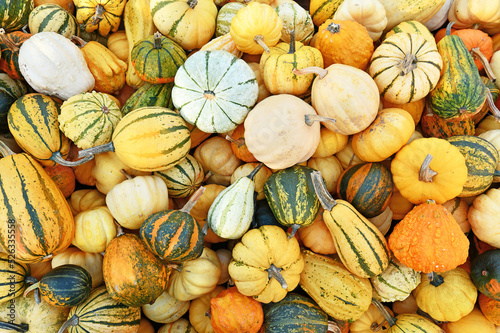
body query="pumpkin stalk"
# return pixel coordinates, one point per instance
(408, 64)
(259, 39)
(80, 42)
(157, 40)
(238, 142)
(32, 280)
(476, 53)
(96, 150)
(73, 321)
(436, 279)
(333, 28)
(292, 42)
(126, 174)
(97, 18)
(295, 227)
(274, 272)
(192, 3)
(204, 230)
(312, 118)
(491, 105)
(5, 150)
(209, 313)
(57, 157)
(333, 327)
(326, 200)
(30, 288)
(426, 173)
(9, 43)
(14, 327)
(252, 174)
(208, 175)
(192, 201)
(321, 72)
(390, 319)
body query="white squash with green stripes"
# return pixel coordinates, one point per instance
(224, 17)
(395, 283)
(297, 19)
(214, 90)
(52, 17)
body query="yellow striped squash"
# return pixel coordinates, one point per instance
(224, 43)
(184, 178)
(13, 277)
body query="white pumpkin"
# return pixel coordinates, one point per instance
(297, 19)
(214, 90)
(369, 13)
(395, 283)
(437, 21)
(53, 65)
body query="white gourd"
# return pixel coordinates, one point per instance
(369, 13)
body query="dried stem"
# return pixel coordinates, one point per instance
(476, 53)
(326, 200)
(321, 72)
(259, 39)
(192, 201)
(426, 173)
(274, 272)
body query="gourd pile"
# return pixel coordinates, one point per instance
(250, 166)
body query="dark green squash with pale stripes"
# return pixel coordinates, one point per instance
(100, 313)
(67, 285)
(13, 277)
(150, 94)
(52, 17)
(184, 178)
(10, 90)
(14, 13)
(481, 158)
(294, 314)
(366, 186)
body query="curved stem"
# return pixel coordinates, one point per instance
(312, 118)
(436, 279)
(208, 175)
(204, 229)
(448, 28)
(476, 52)
(97, 18)
(259, 39)
(274, 272)
(426, 173)
(14, 327)
(295, 227)
(126, 174)
(321, 72)
(333, 327)
(192, 201)
(390, 319)
(30, 288)
(491, 104)
(252, 174)
(80, 42)
(73, 321)
(192, 3)
(237, 142)
(30, 279)
(96, 150)
(7, 41)
(57, 157)
(5, 150)
(326, 200)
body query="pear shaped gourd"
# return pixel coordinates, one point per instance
(231, 213)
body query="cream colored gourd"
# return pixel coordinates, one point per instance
(165, 309)
(395, 283)
(437, 21)
(297, 19)
(369, 13)
(85, 199)
(94, 229)
(91, 262)
(133, 200)
(484, 217)
(259, 179)
(493, 137)
(398, 11)
(53, 65)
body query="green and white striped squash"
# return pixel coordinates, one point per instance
(481, 158)
(100, 313)
(215, 90)
(395, 283)
(89, 119)
(231, 213)
(291, 197)
(184, 178)
(297, 19)
(150, 94)
(224, 17)
(10, 90)
(13, 277)
(52, 17)
(14, 14)
(412, 27)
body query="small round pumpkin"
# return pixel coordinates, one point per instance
(165, 309)
(94, 229)
(484, 215)
(485, 273)
(395, 283)
(330, 143)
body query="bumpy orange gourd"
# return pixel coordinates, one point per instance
(428, 239)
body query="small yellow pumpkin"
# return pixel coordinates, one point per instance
(94, 229)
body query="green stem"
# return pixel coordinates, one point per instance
(5, 150)
(96, 150)
(292, 42)
(448, 28)
(73, 321)
(390, 319)
(252, 174)
(436, 279)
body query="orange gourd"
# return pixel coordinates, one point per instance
(63, 176)
(490, 308)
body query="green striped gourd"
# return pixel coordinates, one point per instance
(33, 203)
(322, 10)
(231, 213)
(150, 95)
(32, 120)
(437, 127)
(13, 277)
(14, 13)
(412, 27)
(52, 17)
(460, 90)
(294, 314)
(89, 119)
(331, 285)
(291, 197)
(360, 245)
(100, 313)
(148, 139)
(10, 44)
(481, 158)
(174, 235)
(215, 107)
(366, 186)
(395, 283)
(66, 286)
(184, 178)
(295, 18)
(10, 90)
(224, 17)
(157, 58)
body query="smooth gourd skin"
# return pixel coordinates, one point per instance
(10, 91)
(485, 273)
(12, 277)
(150, 94)
(14, 14)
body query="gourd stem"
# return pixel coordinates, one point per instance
(436, 279)
(97, 18)
(390, 319)
(30, 279)
(119, 230)
(407, 65)
(375, 327)
(177, 267)
(9, 43)
(333, 327)
(292, 42)
(57, 157)
(126, 174)
(157, 40)
(204, 229)
(259, 39)
(238, 142)
(321, 72)
(5, 150)
(80, 42)
(192, 3)
(208, 175)
(73, 321)
(252, 174)
(14, 327)
(96, 150)
(448, 28)
(192, 201)
(426, 173)
(326, 200)
(312, 118)
(209, 313)
(295, 227)
(476, 52)
(491, 104)
(30, 288)
(274, 272)
(334, 28)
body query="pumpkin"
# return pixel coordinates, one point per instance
(344, 42)
(428, 239)
(330, 143)
(101, 313)
(414, 27)
(296, 20)
(94, 229)
(347, 157)
(435, 126)
(371, 321)
(266, 264)
(415, 108)
(447, 296)
(199, 307)
(466, 13)
(330, 168)
(34, 210)
(485, 272)
(255, 28)
(64, 177)
(483, 217)
(118, 44)
(214, 90)
(459, 208)
(56, 77)
(490, 308)
(395, 283)
(52, 17)
(440, 177)
(184, 178)
(480, 45)
(39, 269)
(223, 43)
(165, 309)
(149, 94)
(401, 10)
(191, 23)
(383, 221)
(91, 262)
(238, 145)
(13, 16)
(14, 277)
(369, 13)
(224, 17)
(180, 325)
(317, 237)
(493, 136)
(408, 305)
(405, 67)
(10, 91)
(101, 15)
(475, 321)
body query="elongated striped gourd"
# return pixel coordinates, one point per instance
(360, 245)
(100, 313)
(34, 207)
(10, 91)
(184, 178)
(52, 17)
(150, 95)
(13, 277)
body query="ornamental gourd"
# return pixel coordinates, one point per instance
(14, 15)
(295, 20)
(184, 178)
(94, 229)
(485, 273)
(91, 262)
(165, 309)
(395, 283)
(9, 48)
(52, 17)
(484, 216)
(14, 277)
(369, 13)
(150, 94)
(101, 15)
(10, 91)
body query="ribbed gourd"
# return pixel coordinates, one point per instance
(14, 276)
(184, 178)
(150, 94)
